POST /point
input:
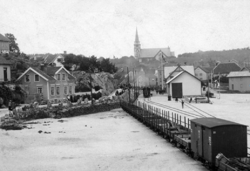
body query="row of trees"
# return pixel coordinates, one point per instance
(87, 64)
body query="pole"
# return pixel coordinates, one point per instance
(134, 81)
(162, 75)
(128, 87)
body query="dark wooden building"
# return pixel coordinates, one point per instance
(211, 136)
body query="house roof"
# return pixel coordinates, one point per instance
(152, 52)
(4, 61)
(239, 74)
(169, 70)
(52, 70)
(213, 122)
(180, 73)
(4, 39)
(50, 58)
(205, 69)
(49, 74)
(226, 68)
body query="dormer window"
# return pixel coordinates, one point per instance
(37, 78)
(27, 78)
(58, 77)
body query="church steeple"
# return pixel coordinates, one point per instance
(137, 46)
(137, 38)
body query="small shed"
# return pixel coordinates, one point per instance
(210, 136)
(183, 84)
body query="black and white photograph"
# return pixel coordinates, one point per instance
(124, 85)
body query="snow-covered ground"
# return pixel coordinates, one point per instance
(105, 141)
(232, 107)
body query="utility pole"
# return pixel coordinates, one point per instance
(128, 86)
(162, 70)
(134, 81)
(90, 80)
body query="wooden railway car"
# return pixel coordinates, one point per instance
(207, 137)
(211, 136)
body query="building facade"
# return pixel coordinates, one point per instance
(239, 81)
(4, 44)
(50, 83)
(5, 70)
(183, 84)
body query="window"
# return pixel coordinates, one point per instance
(52, 91)
(70, 89)
(5, 74)
(58, 90)
(200, 74)
(63, 77)
(58, 76)
(232, 87)
(39, 90)
(36, 78)
(65, 90)
(27, 78)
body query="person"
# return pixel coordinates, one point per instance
(10, 108)
(182, 103)
(190, 100)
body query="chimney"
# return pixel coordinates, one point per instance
(43, 67)
(65, 52)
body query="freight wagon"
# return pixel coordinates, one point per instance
(207, 139)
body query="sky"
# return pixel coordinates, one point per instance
(107, 27)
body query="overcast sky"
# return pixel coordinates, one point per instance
(107, 27)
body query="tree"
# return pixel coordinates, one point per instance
(13, 45)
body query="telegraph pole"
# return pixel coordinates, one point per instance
(128, 86)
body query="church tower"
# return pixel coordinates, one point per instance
(137, 46)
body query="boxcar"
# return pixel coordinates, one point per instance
(210, 136)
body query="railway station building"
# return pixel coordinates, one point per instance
(181, 82)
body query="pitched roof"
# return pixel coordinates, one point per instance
(239, 74)
(226, 68)
(3, 61)
(213, 122)
(52, 70)
(50, 58)
(152, 52)
(4, 39)
(180, 73)
(37, 71)
(205, 69)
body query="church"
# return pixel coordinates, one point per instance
(148, 54)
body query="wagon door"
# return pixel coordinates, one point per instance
(177, 90)
(206, 144)
(200, 141)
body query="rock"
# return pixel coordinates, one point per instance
(40, 131)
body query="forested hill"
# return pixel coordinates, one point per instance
(238, 55)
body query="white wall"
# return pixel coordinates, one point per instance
(240, 83)
(202, 75)
(8, 72)
(190, 85)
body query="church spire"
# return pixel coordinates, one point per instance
(137, 37)
(137, 46)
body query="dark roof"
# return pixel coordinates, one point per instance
(4, 39)
(52, 70)
(213, 122)
(226, 68)
(43, 73)
(4, 61)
